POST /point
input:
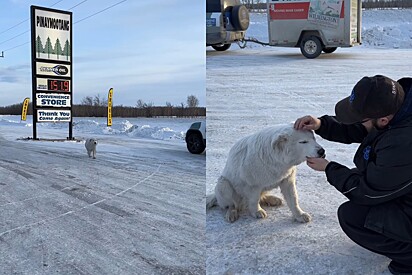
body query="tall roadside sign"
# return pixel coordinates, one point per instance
(51, 55)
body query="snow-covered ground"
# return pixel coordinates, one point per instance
(138, 208)
(257, 87)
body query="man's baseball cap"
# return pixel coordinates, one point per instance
(372, 97)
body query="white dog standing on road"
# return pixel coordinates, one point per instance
(257, 164)
(90, 145)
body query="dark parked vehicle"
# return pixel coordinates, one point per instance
(196, 138)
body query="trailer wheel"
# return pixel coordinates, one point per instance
(240, 18)
(221, 47)
(311, 47)
(329, 50)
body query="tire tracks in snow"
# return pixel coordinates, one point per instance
(79, 209)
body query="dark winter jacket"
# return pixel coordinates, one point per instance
(382, 178)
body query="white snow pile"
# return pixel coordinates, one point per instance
(125, 127)
(13, 122)
(380, 28)
(387, 28)
(158, 129)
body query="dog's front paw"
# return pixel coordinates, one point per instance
(232, 215)
(260, 214)
(304, 217)
(271, 201)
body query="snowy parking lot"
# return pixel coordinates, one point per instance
(257, 87)
(135, 209)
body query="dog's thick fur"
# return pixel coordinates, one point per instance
(260, 162)
(90, 145)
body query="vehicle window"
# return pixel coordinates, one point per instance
(213, 6)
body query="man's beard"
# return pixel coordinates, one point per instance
(375, 124)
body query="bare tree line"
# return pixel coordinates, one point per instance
(253, 5)
(97, 100)
(388, 4)
(147, 111)
(96, 106)
(14, 109)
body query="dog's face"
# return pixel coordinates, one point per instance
(93, 141)
(296, 145)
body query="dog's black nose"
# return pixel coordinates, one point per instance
(321, 152)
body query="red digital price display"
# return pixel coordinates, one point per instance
(58, 85)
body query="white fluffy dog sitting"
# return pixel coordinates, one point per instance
(257, 164)
(90, 145)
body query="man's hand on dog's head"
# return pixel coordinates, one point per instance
(318, 164)
(307, 123)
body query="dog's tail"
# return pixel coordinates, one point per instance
(211, 201)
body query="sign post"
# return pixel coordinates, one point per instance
(51, 52)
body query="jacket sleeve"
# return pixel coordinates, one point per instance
(333, 130)
(386, 178)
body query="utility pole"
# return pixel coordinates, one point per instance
(2, 54)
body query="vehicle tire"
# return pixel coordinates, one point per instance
(221, 47)
(195, 143)
(329, 50)
(240, 18)
(311, 47)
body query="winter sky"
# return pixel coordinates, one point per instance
(144, 49)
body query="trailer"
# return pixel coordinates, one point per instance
(314, 25)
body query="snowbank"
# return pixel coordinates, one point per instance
(158, 129)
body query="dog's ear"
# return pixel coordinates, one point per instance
(280, 142)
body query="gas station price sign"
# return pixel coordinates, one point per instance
(51, 59)
(55, 85)
(58, 85)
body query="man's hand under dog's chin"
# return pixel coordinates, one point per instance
(318, 164)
